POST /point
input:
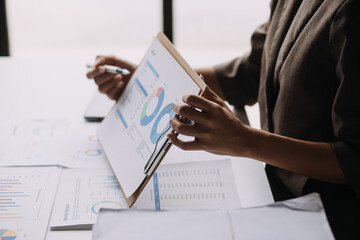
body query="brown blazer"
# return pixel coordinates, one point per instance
(304, 70)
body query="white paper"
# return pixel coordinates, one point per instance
(81, 194)
(177, 155)
(27, 196)
(53, 143)
(129, 132)
(276, 221)
(250, 177)
(193, 185)
(6, 132)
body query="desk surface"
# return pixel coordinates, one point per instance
(47, 88)
(43, 88)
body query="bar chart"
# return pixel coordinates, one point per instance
(21, 196)
(81, 195)
(26, 199)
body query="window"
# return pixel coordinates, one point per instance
(221, 29)
(82, 27)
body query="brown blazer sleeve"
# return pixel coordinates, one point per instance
(239, 78)
(345, 49)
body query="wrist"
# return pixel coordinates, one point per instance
(253, 140)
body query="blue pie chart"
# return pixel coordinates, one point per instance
(155, 134)
(159, 94)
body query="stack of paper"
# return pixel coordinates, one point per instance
(196, 185)
(179, 183)
(81, 194)
(302, 218)
(51, 143)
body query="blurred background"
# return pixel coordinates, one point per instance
(213, 30)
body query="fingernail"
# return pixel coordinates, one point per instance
(118, 77)
(120, 84)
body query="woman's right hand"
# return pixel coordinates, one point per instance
(112, 85)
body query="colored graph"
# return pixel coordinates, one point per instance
(156, 191)
(21, 195)
(7, 234)
(93, 138)
(10, 195)
(121, 117)
(105, 204)
(106, 182)
(153, 70)
(155, 134)
(141, 87)
(93, 152)
(157, 94)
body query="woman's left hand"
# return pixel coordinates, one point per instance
(215, 127)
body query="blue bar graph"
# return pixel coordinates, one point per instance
(20, 195)
(107, 182)
(152, 69)
(10, 192)
(121, 118)
(15, 196)
(156, 192)
(141, 87)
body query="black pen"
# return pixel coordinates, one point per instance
(112, 69)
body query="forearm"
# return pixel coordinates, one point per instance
(218, 130)
(313, 159)
(211, 80)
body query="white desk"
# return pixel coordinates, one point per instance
(43, 88)
(46, 88)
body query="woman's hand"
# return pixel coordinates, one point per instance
(217, 130)
(111, 84)
(215, 127)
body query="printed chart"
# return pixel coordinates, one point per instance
(81, 195)
(26, 200)
(28, 143)
(54, 143)
(105, 204)
(154, 114)
(7, 234)
(21, 196)
(196, 185)
(141, 116)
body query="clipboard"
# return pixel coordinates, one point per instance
(125, 134)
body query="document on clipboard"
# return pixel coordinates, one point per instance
(133, 134)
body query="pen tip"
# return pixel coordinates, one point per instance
(126, 72)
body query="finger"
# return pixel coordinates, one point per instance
(115, 92)
(112, 60)
(184, 145)
(102, 60)
(107, 86)
(192, 130)
(199, 102)
(210, 95)
(106, 77)
(95, 72)
(190, 113)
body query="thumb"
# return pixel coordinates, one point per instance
(99, 60)
(110, 60)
